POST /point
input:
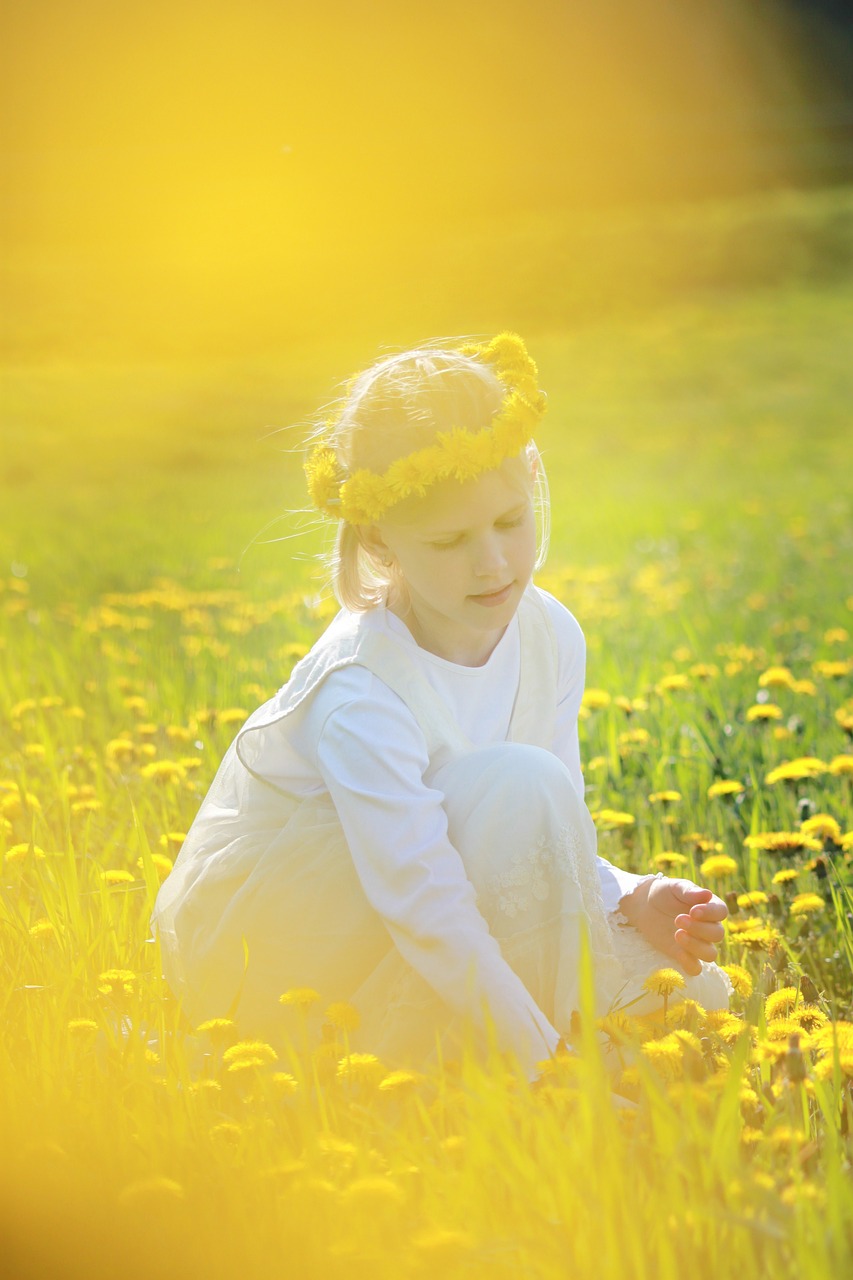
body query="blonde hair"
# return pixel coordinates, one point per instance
(396, 406)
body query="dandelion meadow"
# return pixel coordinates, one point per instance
(151, 594)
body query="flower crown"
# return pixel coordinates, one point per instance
(365, 496)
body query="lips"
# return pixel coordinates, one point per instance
(492, 598)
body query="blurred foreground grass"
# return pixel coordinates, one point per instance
(699, 457)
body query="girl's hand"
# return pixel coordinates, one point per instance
(678, 918)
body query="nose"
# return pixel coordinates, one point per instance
(490, 560)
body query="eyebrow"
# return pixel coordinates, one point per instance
(431, 534)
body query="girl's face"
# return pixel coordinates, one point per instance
(466, 553)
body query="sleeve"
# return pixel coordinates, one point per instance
(396, 829)
(571, 674)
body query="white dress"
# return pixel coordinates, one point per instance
(409, 835)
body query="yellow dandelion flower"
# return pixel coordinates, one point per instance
(204, 1087)
(15, 804)
(784, 842)
(675, 683)
(343, 1016)
(832, 670)
(250, 1050)
(25, 853)
(702, 844)
(165, 772)
(361, 1068)
(215, 1026)
(633, 738)
(664, 797)
(796, 770)
(595, 699)
(42, 930)
(755, 898)
(117, 875)
(806, 904)
(669, 858)
(836, 635)
(810, 1018)
(704, 670)
(764, 711)
(630, 705)
(117, 982)
(718, 866)
(399, 1081)
(844, 717)
(664, 981)
(807, 687)
(301, 998)
(35, 750)
(776, 678)
(785, 876)
(822, 824)
(725, 787)
(666, 1055)
(758, 938)
(162, 865)
(780, 1002)
(172, 839)
(232, 715)
(285, 1082)
(740, 979)
(841, 766)
(606, 819)
(82, 1026)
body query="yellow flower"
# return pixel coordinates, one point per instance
(785, 876)
(776, 678)
(718, 866)
(595, 699)
(784, 842)
(805, 904)
(664, 981)
(344, 1016)
(668, 858)
(117, 875)
(25, 853)
(361, 1068)
(608, 818)
(842, 766)
(664, 797)
(117, 982)
(704, 670)
(672, 684)
(832, 670)
(740, 979)
(796, 770)
(755, 898)
(42, 930)
(166, 772)
(764, 711)
(725, 787)
(82, 1026)
(162, 865)
(780, 1002)
(300, 998)
(822, 824)
(250, 1052)
(285, 1082)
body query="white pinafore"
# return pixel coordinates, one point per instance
(264, 895)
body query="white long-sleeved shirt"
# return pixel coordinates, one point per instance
(356, 739)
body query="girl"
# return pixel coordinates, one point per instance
(402, 825)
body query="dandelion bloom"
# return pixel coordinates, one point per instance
(764, 711)
(806, 904)
(664, 797)
(253, 1052)
(117, 982)
(300, 997)
(786, 875)
(822, 824)
(42, 930)
(361, 1068)
(784, 842)
(595, 699)
(725, 787)
(285, 1082)
(669, 858)
(844, 717)
(740, 979)
(796, 770)
(399, 1080)
(776, 678)
(672, 684)
(781, 1002)
(82, 1026)
(607, 818)
(343, 1016)
(165, 772)
(664, 981)
(21, 852)
(842, 766)
(718, 866)
(666, 1055)
(755, 898)
(117, 875)
(832, 670)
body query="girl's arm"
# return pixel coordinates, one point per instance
(372, 757)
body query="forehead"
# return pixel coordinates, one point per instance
(450, 504)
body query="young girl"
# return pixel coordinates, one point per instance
(402, 825)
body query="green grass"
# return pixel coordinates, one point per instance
(699, 459)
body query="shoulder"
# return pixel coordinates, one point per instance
(571, 643)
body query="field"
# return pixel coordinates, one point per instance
(152, 593)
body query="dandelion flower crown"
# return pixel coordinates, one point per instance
(364, 496)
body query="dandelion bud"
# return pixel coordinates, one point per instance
(732, 902)
(795, 1064)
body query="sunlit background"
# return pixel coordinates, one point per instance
(187, 177)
